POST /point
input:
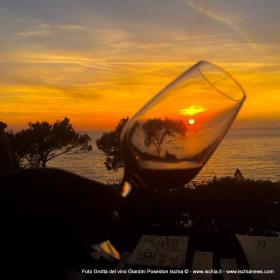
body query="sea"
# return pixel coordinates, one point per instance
(255, 152)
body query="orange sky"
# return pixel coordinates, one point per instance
(96, 70)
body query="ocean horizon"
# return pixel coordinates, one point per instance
(254, 151)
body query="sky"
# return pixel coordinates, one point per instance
(96, 61)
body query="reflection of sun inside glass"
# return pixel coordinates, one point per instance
(192, 110)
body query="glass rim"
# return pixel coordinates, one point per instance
(222, 71)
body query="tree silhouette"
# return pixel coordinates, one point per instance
(8, 162)
(110, 144)
(156, 131)
(41, 142)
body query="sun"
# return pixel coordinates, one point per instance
(191, 121)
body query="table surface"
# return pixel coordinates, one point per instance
(203, 252)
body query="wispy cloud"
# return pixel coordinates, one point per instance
(232, 22)
(206, 9)
(73, 27)
(44, 29)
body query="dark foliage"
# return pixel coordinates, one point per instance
(110, 144)
(41, 142)
(220, 205)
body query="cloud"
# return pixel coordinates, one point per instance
(254, 21)
(205, 9)
(44, 29)
(232, 22)
(41, 31)
(73, 28)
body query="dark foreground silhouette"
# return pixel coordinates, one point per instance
(49, 219)
(226, 205)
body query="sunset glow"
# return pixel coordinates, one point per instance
(96, 66)
(192, 110)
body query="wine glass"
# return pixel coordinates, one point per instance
(167, 142)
